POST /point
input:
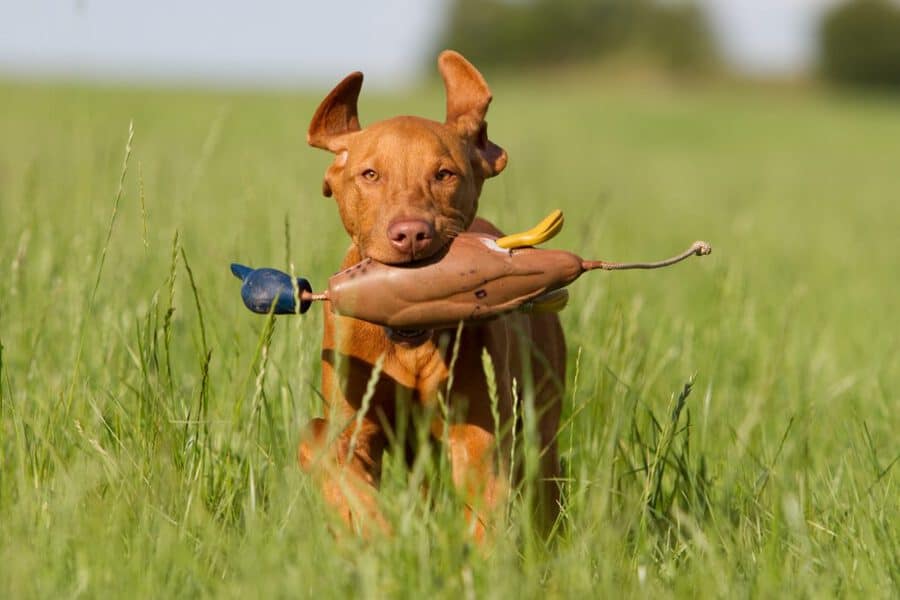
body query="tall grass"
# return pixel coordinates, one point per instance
(730, 424)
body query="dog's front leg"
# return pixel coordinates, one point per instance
(474, 466)
(343, 452)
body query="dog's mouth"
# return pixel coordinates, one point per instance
(408, 337)
(413, 259)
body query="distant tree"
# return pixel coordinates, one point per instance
(522, 33)
(860, 43)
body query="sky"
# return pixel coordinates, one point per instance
(767, 36)
(300, 43)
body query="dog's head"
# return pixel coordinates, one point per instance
(406, 186)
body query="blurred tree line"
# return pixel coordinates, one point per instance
(524, 33)
(860, 43)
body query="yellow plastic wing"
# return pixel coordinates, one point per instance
(551, 302)
(538, 234)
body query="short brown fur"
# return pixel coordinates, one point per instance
(404, 188)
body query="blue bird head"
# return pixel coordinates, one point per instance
(270, 290)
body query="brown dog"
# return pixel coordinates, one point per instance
(404, 188)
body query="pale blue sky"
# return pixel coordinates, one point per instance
(298, 43)
(767, 36)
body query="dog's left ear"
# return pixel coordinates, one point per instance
(468, 98)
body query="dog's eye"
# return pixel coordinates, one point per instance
(444, 175)
(370, 175)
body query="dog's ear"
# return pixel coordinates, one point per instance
(336, 116)
(468, 98)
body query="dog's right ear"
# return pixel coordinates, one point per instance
(336, 116)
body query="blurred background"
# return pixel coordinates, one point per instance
(286, 44)
(149, 423)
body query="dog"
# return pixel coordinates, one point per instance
(404, 188)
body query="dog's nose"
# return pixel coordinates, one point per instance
(411, 236)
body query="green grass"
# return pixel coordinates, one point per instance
(148, 422)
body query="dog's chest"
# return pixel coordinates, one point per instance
(426, 367)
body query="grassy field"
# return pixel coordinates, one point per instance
(148, 422)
